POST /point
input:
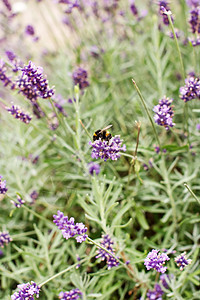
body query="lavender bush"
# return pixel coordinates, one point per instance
(89, 210)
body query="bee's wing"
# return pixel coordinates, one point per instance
(107, 127)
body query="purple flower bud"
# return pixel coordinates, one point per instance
(156, 293)
(164, 113)
(18, 203)
(3, 77)
(4, 239)
(19, 114)
(11, 55)
(3, 188)
(198, 126)
(191, 89)
(155, 260)
(93, 168)
(163, 8)
(29, 30)
(26, 291)
(193, 3)
(182, 261)
(195, 20)
(80, 77)
(70, 295)
(110, 260)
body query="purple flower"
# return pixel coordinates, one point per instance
(198, 126)
(107, 149)
(182, 261)
(11, 55)
(3, 188)
(192, 3)
(37, 111)
(191, 89)
(93, 168)
(156, 293)
(80, 77)
(164, 113)
(3, 77)
(155, 260)
(133, 8)
(108, 244)
(163, 8)
(7, 5)
(195, 20)
(4, 239)
(26, 291)
(71, 295)
(164, 278)
(34, 196)
(33, 84)
(69, 228)
(29, 30)
(18, 203)
(19, 114)
(78, 259)
(71, 4)
(195, 42)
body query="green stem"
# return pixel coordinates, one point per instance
(147, 111)
(191, 192)
(87, 132)
(63, 272)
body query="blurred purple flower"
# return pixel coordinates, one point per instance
(182, 261)
(19, 114)
(107, 149)
(193, 3)
(70, 295)
(164, 113)
(11, 55)
(4, 239)
(198, 126)
(195, 20)
(29, 30)
(156, 293)
(3, 188)
(93, 168)
(34, 196)
(133, 8)
(26, 291)
(7, 5)
(69, 228)
(3, 77)
(164, 278)
(37, 111)
(191, 89)
(155, 260)
(108, 244)
(18, 203)
(80, 77)
(163, 8)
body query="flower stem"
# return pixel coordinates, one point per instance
(191, 192)
(147, 111)
(58, 116)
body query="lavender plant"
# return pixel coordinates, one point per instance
(115, 217)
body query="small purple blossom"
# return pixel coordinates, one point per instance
(133, 8)
(193, 3)
(163, 8)
(191, 89)
(29, 30)
(19, 114)
(164, 278)
(155, 260)
(11, 55)
(198, 126)
(7, 5)
(156, 293)
(37, 111)
(26, 291)
(78, 259)
(3, 77)
(71, 4)
(108, 244)
(195, 20)
(164, 113)
(69, 228)
(182, 261)
(18, 203)
(107, 149)
(4, 239)
(93, 168)
(34, 196)
(70, 295)
(80, 77)
(3, 188)
(33, 84)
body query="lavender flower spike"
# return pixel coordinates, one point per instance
(80, 77)
(107, 149)
(70, 295)
(164, 113)
(26, 291)
(69, 228)
(110, 260)
(191, 89)
(19, 114)
(155, 260)
(18, 203)
(182, 261)
(93, 168)
(156, 293)
(3, 188)
(4, 239)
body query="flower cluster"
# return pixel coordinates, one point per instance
(33, 84)
(19, 114)
(3, 77)
(191, 89)
(19, 202)
(163, 8)
(69, 228)
(195, 20)
(182, 261)
(4, 239)
(107, 149)
(3, 188)
(164, 113)
(93, 168)
(156, 293)
(155, 260)
(26, 291)
(80, 77)
(70, 295)
(108, 244)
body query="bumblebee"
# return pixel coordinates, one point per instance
(102, 134)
